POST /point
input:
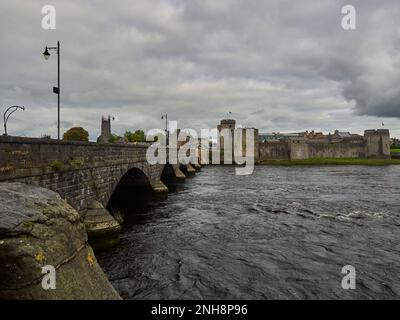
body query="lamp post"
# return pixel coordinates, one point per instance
(165, 116)
(56, 90)
(7, 116)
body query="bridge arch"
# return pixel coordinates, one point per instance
(138, 175)
(133, 186)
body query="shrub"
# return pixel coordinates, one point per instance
(76, 163)
(57, 165)
(7, 168)
(76, 134)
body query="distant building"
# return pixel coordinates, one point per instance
(394, 142)
(276, 136)
(342, 135)
(105, 130)
(312, 135)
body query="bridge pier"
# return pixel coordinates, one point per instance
(101, 227)
(190, 170)
(159, 187)
(179, 175)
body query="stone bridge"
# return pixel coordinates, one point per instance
(81, 172)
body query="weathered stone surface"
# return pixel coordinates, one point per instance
(101, 227)
(179, 175)
(188, 170)
(159, 187)
(38, 228)
(88, 171)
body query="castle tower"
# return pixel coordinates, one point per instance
(377, 143)
(226, 125)
(105, 130)
(245, 132)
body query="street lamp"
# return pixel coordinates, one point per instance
(7, 116)
(56, 90)
(165, 116)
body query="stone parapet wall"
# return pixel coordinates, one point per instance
(79, 171)
(30, 153)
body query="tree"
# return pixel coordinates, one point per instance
(137, 136)
(76, 134)
(114, 138)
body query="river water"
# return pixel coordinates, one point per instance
(281, 233)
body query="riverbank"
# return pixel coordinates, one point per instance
(45, 253)
(332, 161)
(395, 153)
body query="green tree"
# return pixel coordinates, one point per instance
(137, 136)
(114, 138)
(76, 134)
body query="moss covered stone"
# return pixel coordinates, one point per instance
(38, 228)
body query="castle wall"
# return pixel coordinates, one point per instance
(338, 149)
(301, 149)
(374, 144)
(298, 150)
(274, 150)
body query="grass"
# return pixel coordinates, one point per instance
(57, 165)
(6, 169)
(76, 163)
(332, 161)
(395, 150)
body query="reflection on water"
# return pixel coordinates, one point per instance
(283, 232)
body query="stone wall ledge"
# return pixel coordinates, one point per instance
(20, 173)
(26, 140)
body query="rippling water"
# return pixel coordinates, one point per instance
(283, 232)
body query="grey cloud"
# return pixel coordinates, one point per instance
(277, 65)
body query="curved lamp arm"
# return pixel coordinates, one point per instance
(6, 116)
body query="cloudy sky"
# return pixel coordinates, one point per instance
(277, 65)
